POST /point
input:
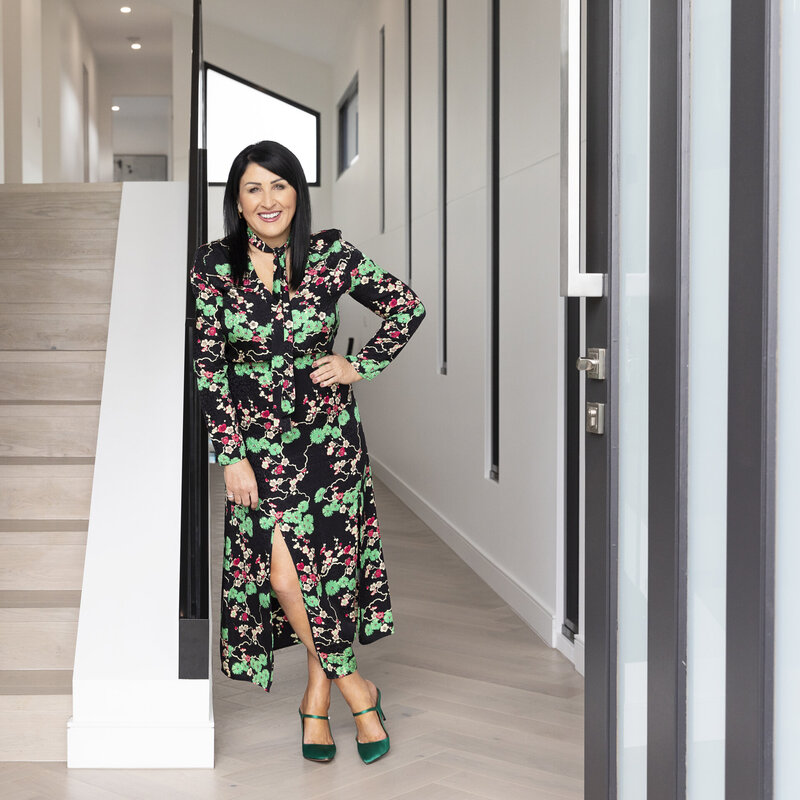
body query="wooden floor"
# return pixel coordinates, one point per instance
(476, 705)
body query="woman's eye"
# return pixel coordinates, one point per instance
(279, 186)
(253, 189)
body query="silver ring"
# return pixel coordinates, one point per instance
(229, 496)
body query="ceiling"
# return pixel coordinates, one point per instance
(108, 30)
(308, 27)
(311, 27)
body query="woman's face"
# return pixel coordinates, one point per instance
(267, 203)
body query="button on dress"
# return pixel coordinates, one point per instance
(253, 355)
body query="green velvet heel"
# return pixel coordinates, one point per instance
(372, 751)
(316, 752)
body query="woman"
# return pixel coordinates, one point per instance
(303, 559)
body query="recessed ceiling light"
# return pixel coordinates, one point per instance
(115, 108)
(136, 45)
(126, 9)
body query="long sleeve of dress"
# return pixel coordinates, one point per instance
(210, 364)
(388, 297)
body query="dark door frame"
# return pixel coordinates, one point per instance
(755, 29)
(602, 327)
(752, 407)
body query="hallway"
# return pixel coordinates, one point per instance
(477, 706)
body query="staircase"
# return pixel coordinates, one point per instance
(57, 247)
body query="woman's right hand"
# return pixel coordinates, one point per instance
(240, 481)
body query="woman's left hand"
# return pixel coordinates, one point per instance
(334, 369)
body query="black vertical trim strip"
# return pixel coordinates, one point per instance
(443, 180)
(751, 401)
(193, 624)
(494, 239)
(382, 131)
(572, 472)
(668, 400)
(409, 226)
(602, 330)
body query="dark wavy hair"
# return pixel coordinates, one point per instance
(282, 161)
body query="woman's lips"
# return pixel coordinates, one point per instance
(270, 217)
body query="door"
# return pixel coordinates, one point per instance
(610, 190)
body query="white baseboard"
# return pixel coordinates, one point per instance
(573, 650)
(110, 746)
(525, 605)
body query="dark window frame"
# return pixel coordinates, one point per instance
(317, 114)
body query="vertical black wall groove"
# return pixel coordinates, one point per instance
(572, 464)
(751, 401)
(443, 181)
(494, 236)
(409, 150)
(382, 132)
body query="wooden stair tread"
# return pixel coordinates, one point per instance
(52, 467)
(45, 539)
(44, 525)
(45, 598)
(50, 403)
(41, 310)
(56, 461)
(35, 681)
(37, 210)
(54, 408)
(109, 187)
(51, 356)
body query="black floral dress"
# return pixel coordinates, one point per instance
(253, 357)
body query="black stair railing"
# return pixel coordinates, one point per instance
(193, 625)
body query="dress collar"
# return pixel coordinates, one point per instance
(261, 245)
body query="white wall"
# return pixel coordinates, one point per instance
(2, 104)
(65, 52)
(142, 126)
(428, 433)
(181, 94)
(153, 79)
(22, 95)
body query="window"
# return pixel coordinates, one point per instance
(239, 113)
(348, 126)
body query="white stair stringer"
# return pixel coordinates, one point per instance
(129, 707)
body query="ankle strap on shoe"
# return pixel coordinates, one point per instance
(313, 716)
(365, 711)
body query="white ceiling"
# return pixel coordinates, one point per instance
(108, 30)
(309, 27)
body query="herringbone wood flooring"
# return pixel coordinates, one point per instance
(477, 706)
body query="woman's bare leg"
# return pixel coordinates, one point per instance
(358, 692)
(317, 697)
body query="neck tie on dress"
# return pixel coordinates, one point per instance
(282, 340)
